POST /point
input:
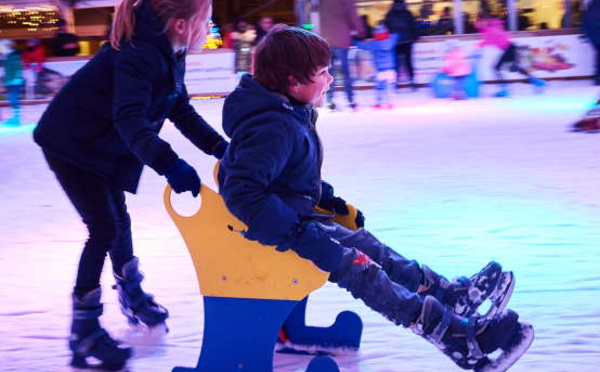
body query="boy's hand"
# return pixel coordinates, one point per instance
(336, 204)
(331, 202)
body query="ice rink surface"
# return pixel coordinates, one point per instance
(452, 184)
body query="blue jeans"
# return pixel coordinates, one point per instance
(388, 287)
(104, 212)
(13, 93)
(341, 55)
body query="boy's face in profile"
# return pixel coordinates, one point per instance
(314, 92)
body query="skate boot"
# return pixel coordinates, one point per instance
(136, 305)
(88, 339)
(538, 84)
(469, 341)
(15, 120)
(503, 92)
(465, 295)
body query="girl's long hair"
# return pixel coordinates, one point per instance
(166, 11)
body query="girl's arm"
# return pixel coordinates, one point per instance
(135, 70)
(195, 128)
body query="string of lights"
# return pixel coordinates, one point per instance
(32, 18)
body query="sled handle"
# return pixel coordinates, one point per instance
(169, 205)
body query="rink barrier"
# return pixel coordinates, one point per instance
(251, 293)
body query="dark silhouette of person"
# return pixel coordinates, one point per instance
(399, 20)
(64, 43)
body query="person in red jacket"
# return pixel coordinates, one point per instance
(33, 59)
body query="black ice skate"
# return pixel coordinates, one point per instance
(466, 295)
(136, 305)
(88, 339)
(469, 341)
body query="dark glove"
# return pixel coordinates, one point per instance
(310, 241)
(183, 177)
(220, 149)
(331, 202)
(336, 204)
(360, 219)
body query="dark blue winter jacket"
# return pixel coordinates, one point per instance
(106, 119)
(270, 177)
(400, 21)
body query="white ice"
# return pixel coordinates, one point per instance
(452, 184)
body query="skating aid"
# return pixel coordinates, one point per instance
(248, 290)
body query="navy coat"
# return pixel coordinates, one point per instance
(400, 21)
(270, 176)
(106, 119)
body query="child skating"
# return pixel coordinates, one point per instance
(99, 132)
(382, 49)
(270, 179)
(457, 67)
(13, 81)
(493, 33)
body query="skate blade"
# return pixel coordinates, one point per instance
(499, 303)
(140, 334)
(91, 364)
(155, 330)
(100, 368)
(513, 353)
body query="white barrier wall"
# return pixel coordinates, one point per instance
(211, 72)
(544, 56)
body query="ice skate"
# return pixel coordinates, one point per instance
(538, 85)
(465, 295)
(138, 306)
(503, 92)
(89, 340)
(470, 341)
(15, 120)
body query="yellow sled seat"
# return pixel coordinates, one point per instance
(249, 290)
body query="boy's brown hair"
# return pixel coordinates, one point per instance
(289, 51)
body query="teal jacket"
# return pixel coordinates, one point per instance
(13, 69)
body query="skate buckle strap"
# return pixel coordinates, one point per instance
(462, 282)
(472, 344)
(87, 344)
(438, 332)
(87, 314)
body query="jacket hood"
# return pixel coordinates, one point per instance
(149, 29)
(250, 99)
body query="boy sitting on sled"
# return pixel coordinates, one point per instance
(270, 179)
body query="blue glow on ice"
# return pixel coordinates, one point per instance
(548, 103)
(7, 130)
